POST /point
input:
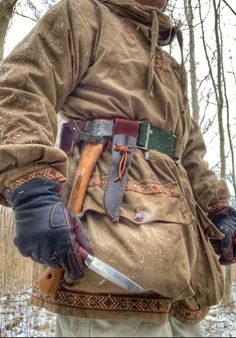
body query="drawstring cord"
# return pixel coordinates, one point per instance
(154, 41)
(124, 153)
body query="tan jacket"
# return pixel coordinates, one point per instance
(87, 59)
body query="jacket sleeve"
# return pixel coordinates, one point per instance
(35, 81)
(208, 190)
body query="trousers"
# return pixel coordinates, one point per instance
(68, 326)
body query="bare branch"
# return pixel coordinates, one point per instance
(229, 7)
(24, 16)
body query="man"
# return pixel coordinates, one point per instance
(100, 63)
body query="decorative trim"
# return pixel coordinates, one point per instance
(145, 187)
(45, 173)
(107, 302)
(163, 63)
(126, 27)
(187, 314)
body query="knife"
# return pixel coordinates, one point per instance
(109, 273)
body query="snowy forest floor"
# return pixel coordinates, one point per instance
(19, 319)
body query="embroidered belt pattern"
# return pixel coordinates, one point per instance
(188, 314)
(45, 173)
(146, 187)
(86, 301)
(107, 302)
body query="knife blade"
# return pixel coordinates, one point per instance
(108, 272)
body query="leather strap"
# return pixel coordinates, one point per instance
(96, 131)
(157, 139)
(125, 135)
(101, 131)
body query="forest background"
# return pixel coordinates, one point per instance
(210, 53)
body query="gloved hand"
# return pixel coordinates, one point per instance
(225, 221)
(46, 230)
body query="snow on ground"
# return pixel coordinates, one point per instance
(220, 322)
(19, 319)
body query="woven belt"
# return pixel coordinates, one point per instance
(100, 130)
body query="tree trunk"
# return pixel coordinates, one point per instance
(193, 75)
(15, 270)
(220, 102)
(6, 11)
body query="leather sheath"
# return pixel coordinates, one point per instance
(125, 134)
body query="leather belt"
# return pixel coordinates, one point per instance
(101, 130)
(126, 135)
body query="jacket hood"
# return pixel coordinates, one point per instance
(144, 16)
(154, 24)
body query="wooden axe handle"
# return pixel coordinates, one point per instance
(50, 280)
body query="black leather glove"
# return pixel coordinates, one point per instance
(225, 221)
(46, 230)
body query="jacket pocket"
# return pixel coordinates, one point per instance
(144, 201)
(151, 242)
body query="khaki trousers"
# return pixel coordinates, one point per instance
(68, 326)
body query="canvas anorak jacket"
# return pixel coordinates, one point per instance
(87, 59)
